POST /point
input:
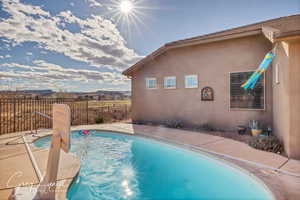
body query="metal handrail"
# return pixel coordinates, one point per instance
(28, 149)
(33, 115)
(33, 160)
(42, 114)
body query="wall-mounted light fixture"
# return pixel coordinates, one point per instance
(277, 81)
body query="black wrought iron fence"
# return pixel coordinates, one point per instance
(19, 114)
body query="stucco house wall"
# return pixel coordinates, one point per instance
(294, 146)
(212, 57)
(287, 96)
(281, 108)
(212, 63)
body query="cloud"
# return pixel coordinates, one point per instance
(11, 80)
(99, 43)
(5, 56)
(41, 71)
(94, 3)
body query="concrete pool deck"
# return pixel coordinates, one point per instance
(281, 175)
(16, 167)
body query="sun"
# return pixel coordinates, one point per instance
(126, 6)
(128, 15)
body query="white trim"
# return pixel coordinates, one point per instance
(247, 109)
(151, 79)
(186, 83)
(165, 81)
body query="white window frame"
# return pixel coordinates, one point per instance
(247, 109)
(166, 79)
(151, 79)
(186, 81)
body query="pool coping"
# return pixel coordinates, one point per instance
(263, 173)
(247, 166)
(214, 156)
(209, 154)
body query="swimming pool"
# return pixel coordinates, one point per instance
(116, 166)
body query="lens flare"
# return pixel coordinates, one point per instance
(126, 6)
(129, 15)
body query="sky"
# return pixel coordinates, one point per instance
(84, 45)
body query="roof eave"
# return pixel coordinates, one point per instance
(185, 43)
(288, 36)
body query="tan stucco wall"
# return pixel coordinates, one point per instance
(212, 63)
(281, 108)
(287, 97)
(294, 149)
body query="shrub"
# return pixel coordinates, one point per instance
(267, 143)
(174, 123)
(99, 120)
(207, 127)
(139, 122)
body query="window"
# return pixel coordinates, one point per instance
(151, 83)
(191, 81)
(246, 99)
(170, 82)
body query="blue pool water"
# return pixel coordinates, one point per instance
(117, 167)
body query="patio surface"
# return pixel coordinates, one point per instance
(281, 175)
(16, 168)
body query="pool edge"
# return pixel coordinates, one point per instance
(274, 193)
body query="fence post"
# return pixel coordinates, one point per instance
(87, 112)
(31, 122)
(1, 117)
(35, 123)
(14, 111)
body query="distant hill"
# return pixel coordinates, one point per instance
(104, 95)
(40, 92)
(128, 93)
(97, 95)
(25, 93)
